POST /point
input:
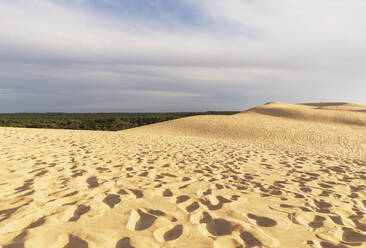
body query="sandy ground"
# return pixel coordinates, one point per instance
(277, 175)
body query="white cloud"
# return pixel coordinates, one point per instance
(287, 33)
(247, 44)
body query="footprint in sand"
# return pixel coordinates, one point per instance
(250, 240)
(219, 227)
(182, 198)
(76, 242)
(262, 221)
(82, 209)
(160, 213)
(317, 222)
(219, 201)
(112, 200)
(137, 193)
(93, 182)
(140, 220)
(192, 207)
(167, 193)
(124, 243)
(168, 233)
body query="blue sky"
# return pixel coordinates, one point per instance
(182, 55)
(161, 10)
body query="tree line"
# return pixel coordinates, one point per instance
(94, 121)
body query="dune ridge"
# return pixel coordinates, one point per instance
(277, 175)
(335, 128)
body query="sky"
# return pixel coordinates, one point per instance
(179, 55)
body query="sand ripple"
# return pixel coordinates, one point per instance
(63, 188)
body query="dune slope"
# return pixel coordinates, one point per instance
(335, 128)
(277, 175)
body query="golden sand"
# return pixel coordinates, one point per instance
(278, 175)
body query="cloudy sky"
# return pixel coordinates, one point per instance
(179, 55)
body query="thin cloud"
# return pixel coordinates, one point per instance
(223, 52)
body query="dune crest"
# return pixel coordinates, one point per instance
(278, 175)
(333, 113)
(335, 128)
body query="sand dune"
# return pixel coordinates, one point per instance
(343, 113)
(277, 175)
(334, 128)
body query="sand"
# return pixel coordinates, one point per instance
(278, 175)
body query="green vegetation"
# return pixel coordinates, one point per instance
(93, 121)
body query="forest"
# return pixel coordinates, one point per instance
(94, 121)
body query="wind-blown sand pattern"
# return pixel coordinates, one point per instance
(277, 175)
